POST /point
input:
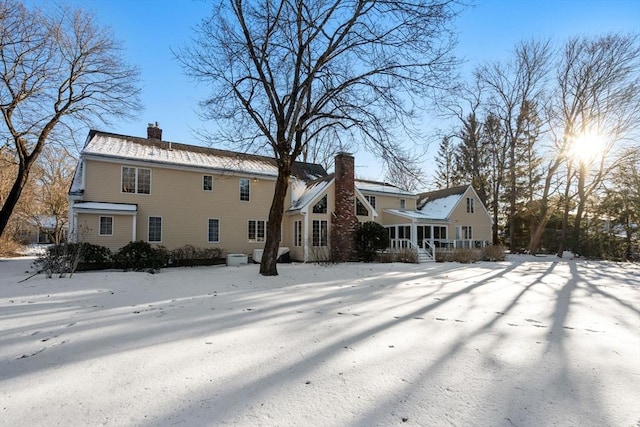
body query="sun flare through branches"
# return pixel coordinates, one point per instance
(587, 147)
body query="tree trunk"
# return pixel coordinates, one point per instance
(14, 195)
(565, 217)
(268, 264)
(512, 195)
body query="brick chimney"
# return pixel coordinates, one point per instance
(344, 221)
(154, 131)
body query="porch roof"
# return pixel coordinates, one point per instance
(122, 208)
(415, 215)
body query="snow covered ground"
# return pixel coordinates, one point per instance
(526, 342)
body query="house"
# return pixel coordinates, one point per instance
(43, 229)
(129, 188)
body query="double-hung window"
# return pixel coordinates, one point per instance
(467, 232)
(320, 233)
(213, 232)
(470, 206)
(297, 233)
(155, 229)
(136, 180)
(106, 226)
(207, 183)
(256, 230)
(371, 200)
(245, 189)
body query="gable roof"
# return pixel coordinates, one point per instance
(381, 187)
(114, 146)
(303, 195)
(440, 203)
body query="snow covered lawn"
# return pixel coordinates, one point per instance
(526, 342)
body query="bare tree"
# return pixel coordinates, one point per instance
(511, 86)
(53, 178)
(598, 105)
(58, 69)
(281, 69)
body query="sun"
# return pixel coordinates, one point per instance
(587, 147)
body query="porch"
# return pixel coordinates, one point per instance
(426, 250)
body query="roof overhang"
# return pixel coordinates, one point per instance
(105, 208)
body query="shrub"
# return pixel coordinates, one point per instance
(493, 253)
(9, 246)
(371, 237)
(188, 252)
(462, 255)
(141, 256)
(64, 258)
(94, 254)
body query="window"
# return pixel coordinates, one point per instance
(439, 232)
(404, 232)
(467, 233)
(360, 208)
(371, 200)
(403, 204)
(207, 183)
(470, 207)
(320, 232)
(256, 230)
(155, 229)
(136, 180)
(213, 233)
(244, 189)
(106, 226)
(297, 233)
(321, 206)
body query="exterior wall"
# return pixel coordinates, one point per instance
(89, 229)
(387, 201)
(320, 253)
(177, 196)
(480, 221)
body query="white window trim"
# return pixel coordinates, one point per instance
(203, 189)
(161, 228)
(240, 189)
(135, 180)
(471, 205)
(320, 221)
(208, 225)
(265, 231)
(100, 225)
(403, 203)
(297, 234)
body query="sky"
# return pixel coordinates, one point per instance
(487, 31)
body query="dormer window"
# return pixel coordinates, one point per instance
(321, 206)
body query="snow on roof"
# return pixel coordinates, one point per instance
(309, 192)
(149, 150)
(413, 215)
(440, 208)
(100, 206)
(380, 187)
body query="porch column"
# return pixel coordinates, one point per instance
(133, 226)
(414, 234)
